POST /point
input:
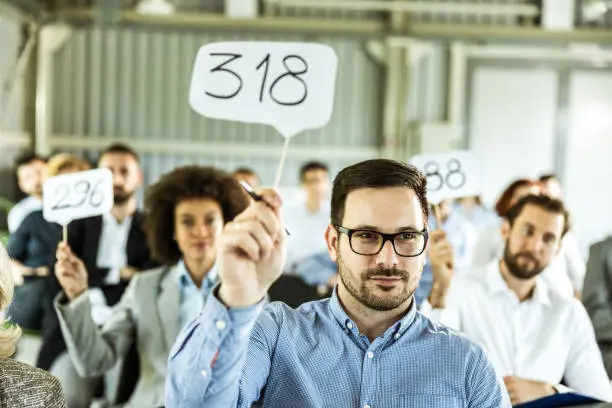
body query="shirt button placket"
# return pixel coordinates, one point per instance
(516, 328)
(368, 378)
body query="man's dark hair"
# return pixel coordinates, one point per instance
(548, 204)
(310, 166)
(28, 158)
(185, 183)
(377, 173)
(546, 177)
(121, 149)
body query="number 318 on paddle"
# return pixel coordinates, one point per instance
(287, 85)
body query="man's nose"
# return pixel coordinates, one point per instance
(387, 255)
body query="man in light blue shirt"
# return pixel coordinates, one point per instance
(367, 346)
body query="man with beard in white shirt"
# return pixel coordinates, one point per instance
(536, 338)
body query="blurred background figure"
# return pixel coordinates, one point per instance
(22, 385)
(551, 186)
(186, 211)
(459, 237)
(460, 233)
(565, 273)
(309, 271)
(507, 307)
(309, 216)
(248, 175)
(473, 210)
(489, 243)
(570, 258)
(30, 180)
(596, 296)
(32, 251)
(114, 248)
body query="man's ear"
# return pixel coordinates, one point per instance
(505, 230)
(331, 238)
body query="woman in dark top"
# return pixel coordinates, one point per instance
(32, 251)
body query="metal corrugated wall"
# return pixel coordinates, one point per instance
(218, 6)
(202, 6)
(132, 84)
(11, 127)
(428, 86)
(155, 165)
(472, 19)
(10, 33)
(426, 98)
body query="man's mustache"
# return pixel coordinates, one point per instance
(526, 255)
(386, 273)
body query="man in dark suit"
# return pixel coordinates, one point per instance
(113, 247)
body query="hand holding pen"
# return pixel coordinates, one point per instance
(247, 187)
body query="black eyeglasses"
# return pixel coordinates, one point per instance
(405, 244)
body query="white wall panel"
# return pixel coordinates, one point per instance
(512, 124)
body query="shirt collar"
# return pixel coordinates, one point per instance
(108, 218)
(497, 284)
(33, 201)
(184, 278)
(397, 330)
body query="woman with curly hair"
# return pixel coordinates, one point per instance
(185, 212)
(21, 385)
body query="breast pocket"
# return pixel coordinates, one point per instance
(428, 401)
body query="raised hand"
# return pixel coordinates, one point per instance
(70, 272)
(251, 252)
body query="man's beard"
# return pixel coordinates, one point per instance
(121, 197)
(518, 271)
(357, 286)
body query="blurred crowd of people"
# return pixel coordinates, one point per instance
(110, 301)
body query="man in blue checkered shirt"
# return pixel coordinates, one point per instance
(366, 346)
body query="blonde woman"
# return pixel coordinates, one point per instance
(21, 385)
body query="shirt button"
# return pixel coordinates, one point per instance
(397, 336)
(370, 355)
(220, 325)
(367, 406)
(203, 373)
(349, 325)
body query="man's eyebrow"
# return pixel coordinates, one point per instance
(408, 228)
